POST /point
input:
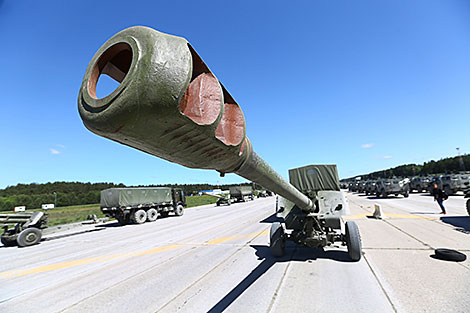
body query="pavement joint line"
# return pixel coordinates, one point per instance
(208, 273)
(380, 284)
(276, 292)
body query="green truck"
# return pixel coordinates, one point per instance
(139, 205)
(242, 193)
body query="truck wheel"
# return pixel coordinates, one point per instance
(179, 211)
(8, 242)
(29, 237)
(139, 216)
(277, 242)
(152, 215)
(468, 206)
(353, 241)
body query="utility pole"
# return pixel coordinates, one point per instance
(55, 199)
(462, 165)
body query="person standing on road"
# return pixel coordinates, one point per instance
(439, 196)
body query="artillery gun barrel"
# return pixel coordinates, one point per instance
(169, 104)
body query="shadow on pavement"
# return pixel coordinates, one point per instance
(462, 223)
(293, 253)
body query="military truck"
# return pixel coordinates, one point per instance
(370, 188)
(139, 205)
(386, 187)
(451, 184)
(242, 193)
(324, 225)
(420, 184)
(361, 187)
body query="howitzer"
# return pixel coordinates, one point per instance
(169, 104)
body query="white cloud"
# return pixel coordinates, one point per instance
(367, 145)
(384, 157)
(54, 151)
(60, 146)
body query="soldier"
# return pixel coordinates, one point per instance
(439, 196)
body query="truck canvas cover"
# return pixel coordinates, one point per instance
(315, 178)
(241, 190)
(118, 197)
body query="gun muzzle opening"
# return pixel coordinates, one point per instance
(114, 62)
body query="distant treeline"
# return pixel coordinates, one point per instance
(443, 166)
(72, 193)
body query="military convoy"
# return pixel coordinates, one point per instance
(140, 205)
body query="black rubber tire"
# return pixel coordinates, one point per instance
(8, 242)
(139, 216)
(377, 194)
(406, 194)
(468, 206)
(450, 255)
(277, 242)
(152, 215)
(384, 194)
(217, 203)
(353, 241)
(29, 237)
(179, 211)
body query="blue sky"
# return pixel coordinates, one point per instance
(364, 84)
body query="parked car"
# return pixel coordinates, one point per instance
(453, 183)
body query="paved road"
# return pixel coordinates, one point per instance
(217, 258)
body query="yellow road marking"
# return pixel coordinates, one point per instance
(359, 216)
(224, 239)
(104, 258)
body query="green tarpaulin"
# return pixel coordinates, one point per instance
(118, 197)
(315, 178)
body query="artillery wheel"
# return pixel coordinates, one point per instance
(277, 242)
(8, 242)
(152, 215)
(353, 241)
(139, 216)
(179, 211)
(164, 214)
(29, 237)
(468, 206)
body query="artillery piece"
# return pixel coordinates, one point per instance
(170, 105)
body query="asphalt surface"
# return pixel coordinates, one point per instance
(216, 259)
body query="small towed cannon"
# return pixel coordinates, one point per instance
(170, 105)
(22, 229)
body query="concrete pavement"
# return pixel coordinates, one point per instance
(216, 259)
